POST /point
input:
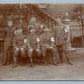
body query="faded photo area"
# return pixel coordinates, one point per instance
(41, 41)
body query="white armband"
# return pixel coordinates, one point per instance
(67, 28)
(52, 39)
(38, 39)
(25, 40)
(15, 32)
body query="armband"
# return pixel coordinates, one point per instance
(52, 39)
(38, 39)
(25, 40)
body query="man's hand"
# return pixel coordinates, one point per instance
(37, 50)
(17, 49)
(22, 49)
(50, 47)
(31, 50)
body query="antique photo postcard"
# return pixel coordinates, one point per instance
(42, 41)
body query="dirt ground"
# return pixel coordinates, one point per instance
(63, 71)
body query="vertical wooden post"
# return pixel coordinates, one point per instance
(82, 31)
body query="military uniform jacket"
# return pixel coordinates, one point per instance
(60, 35)
(39, 31)
(66, 35)
(47, 39)
(18, 41)
(34, 41)
(9, 36)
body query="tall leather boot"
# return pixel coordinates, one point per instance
(31, 62)
(14, 62)
(54, 61)
(68, 60)
(45, 61)
(5, 59)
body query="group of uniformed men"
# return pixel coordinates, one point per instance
(39, 43)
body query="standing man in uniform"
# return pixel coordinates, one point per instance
(61, 41)
(65, 44)
(34, 44)
(19, 45)
(47, 42)
(39, 30)
(8, 42)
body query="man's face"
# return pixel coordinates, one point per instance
(32, 31)
(46, 29)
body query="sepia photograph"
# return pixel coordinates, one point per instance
(41, 41)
